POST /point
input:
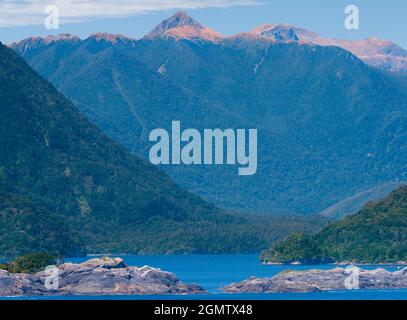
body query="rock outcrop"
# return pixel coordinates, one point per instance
(376, 52)
(322, 280)
(104, 276)
(182, 26)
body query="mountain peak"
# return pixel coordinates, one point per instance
(113, 38)
(180, 19)
(283, 32)
(34, 42)
(61, 37)
(183, 26)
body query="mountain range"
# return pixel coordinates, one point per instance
(67, 188)
(380, 53)
(331, 118)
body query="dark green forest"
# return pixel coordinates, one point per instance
(329, 125)
(30, 263)
(376, 234)
(68, 189)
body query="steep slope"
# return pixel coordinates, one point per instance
(99, 194)
(329, 125)
(50, 151)
(324, 118)
(182, 26)
(376, 234)
(25, 227)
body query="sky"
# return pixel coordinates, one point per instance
(386, 19)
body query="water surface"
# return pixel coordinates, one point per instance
(214, 271)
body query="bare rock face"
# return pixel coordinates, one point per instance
(104, 276)
(376, 52)
(322, 280)
(182, 26)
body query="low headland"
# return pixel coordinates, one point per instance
(377, 234)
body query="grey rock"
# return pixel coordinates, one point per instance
(322, 280)
(104, 276)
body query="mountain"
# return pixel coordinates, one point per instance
(49, 150)
(182, 26)
(33, 43)
(376, 234)
(383, 54)
(67, 188)
(379, 53)
(278, 33)
(329, 126)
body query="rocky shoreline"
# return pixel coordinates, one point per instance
(342, 263)
(322, 280)
(103, 276)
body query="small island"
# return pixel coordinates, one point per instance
(101, 276)
(322, 280)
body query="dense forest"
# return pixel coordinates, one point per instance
(329, 126)
(376, 234)
(68, 189)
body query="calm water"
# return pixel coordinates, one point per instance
(214, 271)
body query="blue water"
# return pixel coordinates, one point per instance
(214, 271)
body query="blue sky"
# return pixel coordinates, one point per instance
(378, 18)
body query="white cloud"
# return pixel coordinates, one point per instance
(31, 12)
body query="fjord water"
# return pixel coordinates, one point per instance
(214, 271)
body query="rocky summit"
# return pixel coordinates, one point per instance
(105, 276)
(322, 280)
(182, 26)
